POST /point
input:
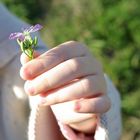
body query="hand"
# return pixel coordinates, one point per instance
(69, 79)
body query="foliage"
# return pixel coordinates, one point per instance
(29, 10)
(111, 30)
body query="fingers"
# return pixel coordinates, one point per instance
(67, 73)
(65, 113)
(96, 105)
(87, 87)
(87, 126)
(61, 75)
(52, 58)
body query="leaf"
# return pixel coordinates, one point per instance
(35, 41)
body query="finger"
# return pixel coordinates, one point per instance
(87, 126)
(24, 58)
(90, 86)
(93, 105)
(61, 75)
(52, 58)
(65, 113)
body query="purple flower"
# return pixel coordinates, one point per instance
(33, 28)
(21, 35)
(17, 35)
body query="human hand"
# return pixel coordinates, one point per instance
(69, 79)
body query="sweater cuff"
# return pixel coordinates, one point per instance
(101, 132)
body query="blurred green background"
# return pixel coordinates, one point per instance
(111, 30)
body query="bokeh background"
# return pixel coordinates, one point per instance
(111, 30)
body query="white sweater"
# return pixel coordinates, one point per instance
(14, 107)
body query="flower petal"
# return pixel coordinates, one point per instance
(17, 35)
(28, 29)
(35, 28)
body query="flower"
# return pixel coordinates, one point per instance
(33, 28)
(17, 35)
(25, 41)
(26, 32)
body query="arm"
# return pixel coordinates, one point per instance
(43, 125)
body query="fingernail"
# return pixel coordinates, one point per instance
(77, 106)
(29, 89)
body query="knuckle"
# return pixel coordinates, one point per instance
(87, 85)
(74, 65)
(60, 55)
(56, 54)
(77, 43)
(94, 85)
(42, 64)
(48, 84)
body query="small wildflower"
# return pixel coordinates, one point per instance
(25, 41)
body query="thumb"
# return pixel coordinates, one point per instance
(24, 58)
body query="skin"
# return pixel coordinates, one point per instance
(68, 77)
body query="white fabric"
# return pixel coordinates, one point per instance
(114, 122)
